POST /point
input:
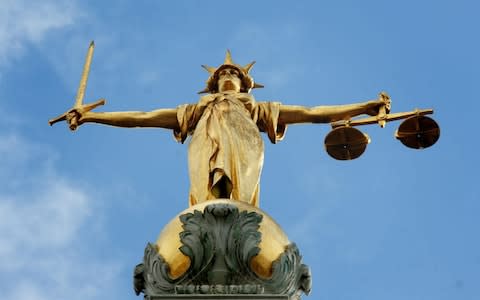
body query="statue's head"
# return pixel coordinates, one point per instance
(229, 77)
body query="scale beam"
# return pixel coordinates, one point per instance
(380, 118)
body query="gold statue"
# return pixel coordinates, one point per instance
(226, 149)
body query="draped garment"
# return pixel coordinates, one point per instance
(226, 141)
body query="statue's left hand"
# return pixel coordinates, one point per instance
(383, 101)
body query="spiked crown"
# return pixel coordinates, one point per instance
(247, 81)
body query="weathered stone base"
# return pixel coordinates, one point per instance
(218, 297)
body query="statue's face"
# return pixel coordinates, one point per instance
(229, 80)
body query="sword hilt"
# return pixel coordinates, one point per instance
(73, 122)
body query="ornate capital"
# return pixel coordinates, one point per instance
(220, 242)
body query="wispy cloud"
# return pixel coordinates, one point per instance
(45, 222)
(23, 22)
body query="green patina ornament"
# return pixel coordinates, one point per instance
(220, 242)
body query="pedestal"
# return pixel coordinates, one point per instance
(219, 297)
(219, 258)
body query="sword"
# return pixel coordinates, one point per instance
(73, 122)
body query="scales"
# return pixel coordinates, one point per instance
(417, 131)
(346, 143)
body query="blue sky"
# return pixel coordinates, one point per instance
(77, 209)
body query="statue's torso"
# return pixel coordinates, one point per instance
(229, 113)
(226, 142)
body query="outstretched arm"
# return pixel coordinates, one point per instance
(291, 114)
(164, 118)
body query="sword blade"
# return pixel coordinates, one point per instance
(83, 81)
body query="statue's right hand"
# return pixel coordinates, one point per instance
(74, 118)
(76, 115)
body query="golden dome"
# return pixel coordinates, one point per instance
(272, 245)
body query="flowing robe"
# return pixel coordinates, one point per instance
(226, 141)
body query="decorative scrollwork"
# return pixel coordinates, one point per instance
(220, 242)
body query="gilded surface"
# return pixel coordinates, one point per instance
(226, 143)
(226, 150)
(272, 245)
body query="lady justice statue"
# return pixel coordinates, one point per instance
(225, 154)
(233, 247)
